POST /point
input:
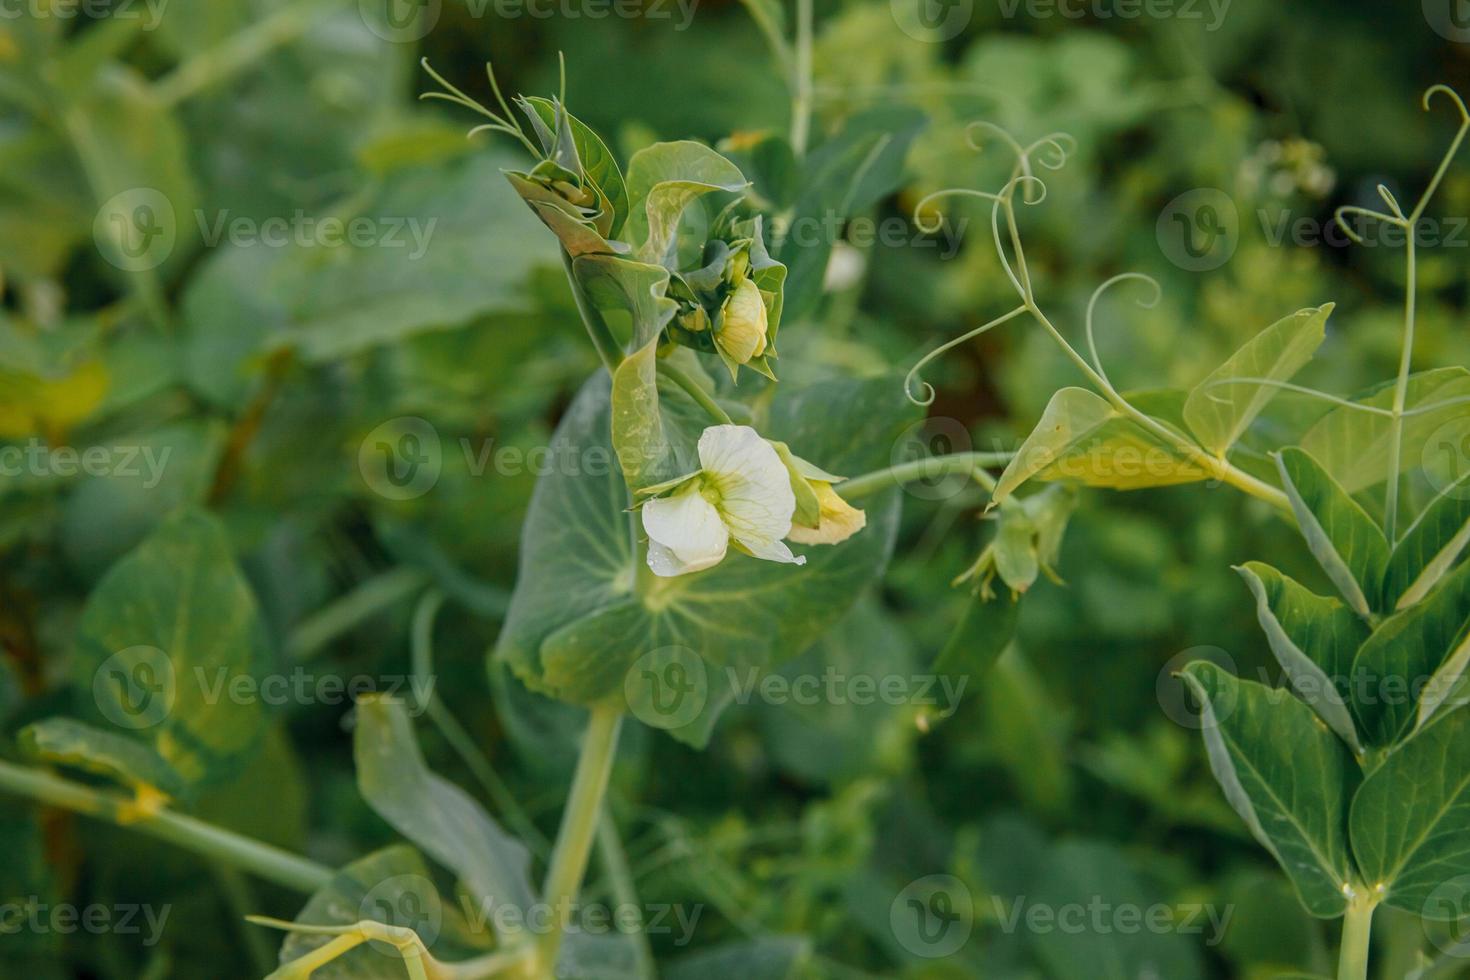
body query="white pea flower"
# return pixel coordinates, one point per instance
(741, 492)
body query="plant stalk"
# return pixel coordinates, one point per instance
(579, 826)
(923, 469)
(1357, 929)
(225, 846)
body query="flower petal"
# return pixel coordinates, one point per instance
(688, 528)
(839, 520)
(753, 488)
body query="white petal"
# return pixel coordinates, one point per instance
(666, 564)
(773, 551)
(688, 527)
(754, 488)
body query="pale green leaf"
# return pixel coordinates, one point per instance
(1221, 408)
(434, 813)
(1430, 547)
(1354, 446)
(663, 179)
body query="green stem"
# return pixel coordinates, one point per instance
(923, 469)
(692, 388)
(579, 826)
(801, 84)
(1357, 929)
(229, 848)
(597, 328)
(366, 600)
(615, 866)
(1400, 392)
(240, 51)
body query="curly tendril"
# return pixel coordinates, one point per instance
(927, 398)
(1148, 304)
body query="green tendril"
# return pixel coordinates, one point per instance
(1148, 304)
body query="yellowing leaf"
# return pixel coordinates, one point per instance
(34, 405)
(1222, 407)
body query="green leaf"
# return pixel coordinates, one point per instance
(1430, 547)
(163, 637)
(1083, 439)
(1315, 639)
(1353, 445)
(1342, 537)
(392, 885)
(844, 175)
(434, 813)
(1411, 818)
(119, 757)
(582, 614)
(980, 636)
(598, 163)
(1287, 775)
(1404, 652)
(1220, 409)
(1071, 417)
(663, 179)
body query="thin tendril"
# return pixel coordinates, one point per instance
(1060, 153)
(1367, 213)
(924, 204)
(1295, 389)
(1391, 201)
(508, 124)
(927, 398)
(1092, 304)
(1436, 406)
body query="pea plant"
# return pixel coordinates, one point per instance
(744, 506)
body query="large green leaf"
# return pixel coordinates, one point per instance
(165, 636)
(1342, 537)
(1411, 818)
(582, 614)
(1404, 652)
(1354, 445)
(1315, 639)
(434, 813)
(1287, 775)
(1430, 547)
(1222, 407)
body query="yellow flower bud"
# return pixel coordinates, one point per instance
(742, 333)
(838, 520)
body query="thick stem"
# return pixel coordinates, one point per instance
(579, 826)
(677, 375)
(1357, 929)
(229, 848)
(597, 328)
(923, 469)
